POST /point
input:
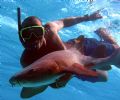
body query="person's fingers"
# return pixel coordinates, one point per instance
(99, 30)
(98, 11)
(98, 15)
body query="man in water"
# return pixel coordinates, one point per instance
(39, 40)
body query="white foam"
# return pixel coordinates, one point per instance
(64, 10)
(9, 0)
(116, 15)
(4, 20)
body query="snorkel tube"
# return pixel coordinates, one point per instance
(19, 25)
(19, 19)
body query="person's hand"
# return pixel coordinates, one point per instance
(101, 30)
(95, 15)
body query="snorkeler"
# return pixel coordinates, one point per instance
(39, 40)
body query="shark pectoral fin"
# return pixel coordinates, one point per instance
(78, 69)
(62, 81)
(106, 68)
(28, 92)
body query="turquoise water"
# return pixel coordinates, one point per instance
(49, 10)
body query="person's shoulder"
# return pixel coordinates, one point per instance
(51, 27)
(50, 24)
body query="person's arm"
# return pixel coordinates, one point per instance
(58, 42)
(53, 36)
(67, 22)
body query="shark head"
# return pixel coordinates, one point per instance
(34, 77)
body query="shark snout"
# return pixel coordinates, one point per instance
(13, 81)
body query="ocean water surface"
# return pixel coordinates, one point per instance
(49, 10)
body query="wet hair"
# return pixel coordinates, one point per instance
(31, 21)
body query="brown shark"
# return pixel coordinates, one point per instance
(50, 68)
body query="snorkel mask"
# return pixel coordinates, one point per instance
(27, 32)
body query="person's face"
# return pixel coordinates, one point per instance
(33, 37)
(34, 42)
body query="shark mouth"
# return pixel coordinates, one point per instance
(14, 82)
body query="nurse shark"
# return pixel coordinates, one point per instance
(51, 68)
